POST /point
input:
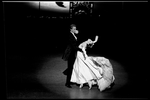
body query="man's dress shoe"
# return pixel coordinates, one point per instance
(68, 86)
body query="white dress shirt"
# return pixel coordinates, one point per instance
(74, 35)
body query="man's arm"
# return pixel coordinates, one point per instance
(76, 47)
(74, 43)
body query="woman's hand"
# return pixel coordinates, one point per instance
(85, 56)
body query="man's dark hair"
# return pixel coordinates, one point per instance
(72, 25)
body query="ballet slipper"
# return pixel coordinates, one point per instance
(90, 85)
(81, 85)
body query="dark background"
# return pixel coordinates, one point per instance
(122, 28)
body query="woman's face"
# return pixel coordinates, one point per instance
(89, 41)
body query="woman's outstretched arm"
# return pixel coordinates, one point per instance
(96, 39)
(83, 46)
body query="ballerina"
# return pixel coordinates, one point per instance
(92, 70)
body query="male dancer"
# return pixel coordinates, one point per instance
(70, 53)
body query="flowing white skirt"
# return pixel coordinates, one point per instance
(97, 68)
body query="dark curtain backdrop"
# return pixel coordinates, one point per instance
(122, 30)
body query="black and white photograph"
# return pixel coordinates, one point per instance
(75, 49)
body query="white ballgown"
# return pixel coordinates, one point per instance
(92, 68)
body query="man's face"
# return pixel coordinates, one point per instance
(74, 30)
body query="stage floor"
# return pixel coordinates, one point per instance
(41, 77)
